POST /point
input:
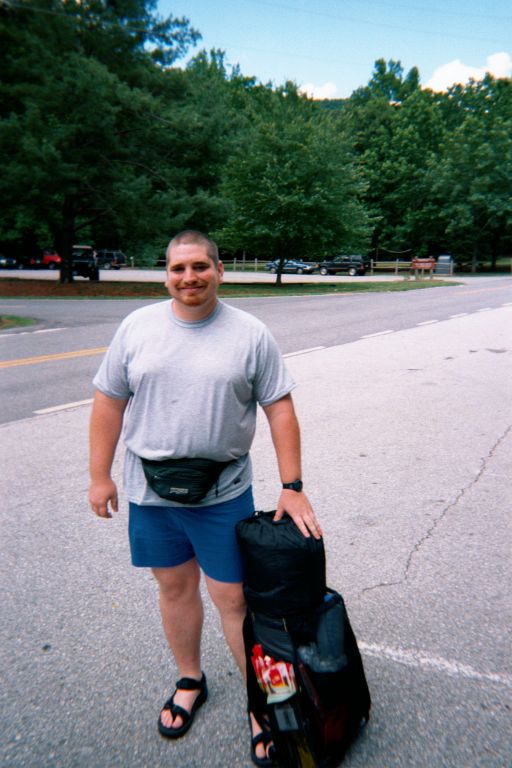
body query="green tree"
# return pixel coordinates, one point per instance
(418, 133)
(86, 133)
(388, 83)
(292, 186)
(385, 119)
(471, 180)
(437, 165)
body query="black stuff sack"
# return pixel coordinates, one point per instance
(284, 570)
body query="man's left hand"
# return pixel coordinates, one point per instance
(297, 506)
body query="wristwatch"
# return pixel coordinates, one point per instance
(295, 486)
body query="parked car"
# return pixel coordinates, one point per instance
(84, 262)
(293, 266)
(8, 262)
(350, 264)
(47, 259)
(78, 250)
(110, 259)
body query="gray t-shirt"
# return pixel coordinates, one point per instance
(193, 388)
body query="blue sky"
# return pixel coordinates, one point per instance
(329, 46)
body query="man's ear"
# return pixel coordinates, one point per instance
(220, 270)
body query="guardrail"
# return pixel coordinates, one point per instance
(394, 266)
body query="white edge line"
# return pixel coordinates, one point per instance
(64, 407)
(418, 659)
(428, 322)
(460, 314)
(485, 309)
(10, 333)
(379, 333)
(303, 351)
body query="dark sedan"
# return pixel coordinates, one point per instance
(293, 266)
(8, 262)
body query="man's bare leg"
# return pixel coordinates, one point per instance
(181, 609)
(230, 602)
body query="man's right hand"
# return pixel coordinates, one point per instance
(100, 494)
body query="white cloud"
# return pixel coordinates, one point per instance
(498, 64)
(326, 91)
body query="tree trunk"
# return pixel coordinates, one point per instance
(474, 262)
(280, 267)
(67, 237)
(494, 251)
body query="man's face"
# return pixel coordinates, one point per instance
(192, 280)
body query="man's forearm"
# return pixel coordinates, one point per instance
(105, 429)
(285, 432)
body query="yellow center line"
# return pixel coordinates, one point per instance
(49, 358)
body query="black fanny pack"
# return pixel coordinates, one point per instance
(183, 480)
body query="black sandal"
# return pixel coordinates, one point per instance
(265, 739)
(185, 684)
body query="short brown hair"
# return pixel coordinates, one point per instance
(193, 237)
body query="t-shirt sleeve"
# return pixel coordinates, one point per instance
(273, 380)
(112, 378)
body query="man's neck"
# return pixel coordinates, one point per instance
(193, 314)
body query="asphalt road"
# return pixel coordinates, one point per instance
(407, 458)
(71, 335)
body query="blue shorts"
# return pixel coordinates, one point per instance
(163, 537)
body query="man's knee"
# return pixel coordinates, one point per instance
(227, 597)
(178, 583)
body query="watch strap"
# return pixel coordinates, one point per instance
(295, 486)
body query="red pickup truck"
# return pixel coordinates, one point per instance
(49, 259)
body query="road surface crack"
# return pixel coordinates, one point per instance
(442, 515)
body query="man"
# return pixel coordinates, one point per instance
(182, 379)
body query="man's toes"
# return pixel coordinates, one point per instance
(261, 751)
(168, 721)
(166, 718)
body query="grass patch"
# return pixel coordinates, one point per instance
(49, 289)
(305, 289)
(11, 321)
